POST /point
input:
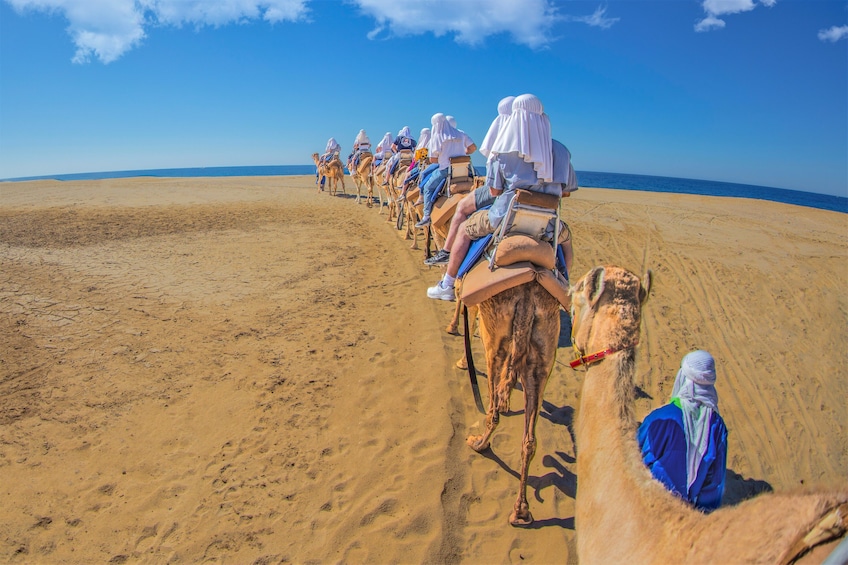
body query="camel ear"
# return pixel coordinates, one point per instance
(646, 286)
(594, 287)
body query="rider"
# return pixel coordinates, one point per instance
(445, 142)
(522, 156)
(684, 443)
(385, 146)
(332, 147)
(360, 145)
(419, 160)
(480, 197)
(403, 142)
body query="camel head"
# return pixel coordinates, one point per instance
(606, 309)
(315, 157)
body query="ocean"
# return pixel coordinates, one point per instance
(585, 179)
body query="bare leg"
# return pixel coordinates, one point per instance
(465, 208)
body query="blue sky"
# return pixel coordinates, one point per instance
(748, 91)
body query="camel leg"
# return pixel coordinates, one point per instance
(533, 370)
(496, 344)
(453, 325)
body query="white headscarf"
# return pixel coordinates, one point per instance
(404, 132)
(441, 132)
(385, 143)
(332, 146)
(451, 120)
(695, 387)
(528, 132)
(361, 137)
(423, 138)
(504, 110)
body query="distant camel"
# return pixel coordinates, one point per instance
(520, 330)
(624, 515)
(333, 170)
(379, 175)
(361, 174)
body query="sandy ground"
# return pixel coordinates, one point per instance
(243, 370)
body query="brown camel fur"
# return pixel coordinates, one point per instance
(520, 329)
(622, 513)
(333, 170)
(362, 176)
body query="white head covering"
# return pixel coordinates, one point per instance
(695, 387)
(404, 132)
(442, 132)
(528, 132)
(361, 137)
(451, 120)
(332, 145)
(504, 110)
(424, 138)
(385, 143)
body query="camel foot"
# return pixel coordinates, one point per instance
(414, 246)
(461, 363)
(477, 444)
(452, 329)
(521, 516)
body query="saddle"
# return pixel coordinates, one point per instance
(460, 181)
(520, 252)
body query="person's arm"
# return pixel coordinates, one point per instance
(470, 149)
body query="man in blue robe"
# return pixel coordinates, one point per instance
(684, 443)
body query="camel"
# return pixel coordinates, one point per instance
(520, 330)
(622, 513)
(379, 175)
(395, 182)
(362, 176)
(333, 170)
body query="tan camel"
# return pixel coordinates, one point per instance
(395, 183)
(379, 176)
(333, 170)
(362, 176)
(520, 330)
(622, 513)
(319, 168)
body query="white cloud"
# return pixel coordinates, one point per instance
(834, 34)
(107, 29)
(529, 22)
(715, 8)
(596, 20)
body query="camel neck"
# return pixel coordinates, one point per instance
(609, 464)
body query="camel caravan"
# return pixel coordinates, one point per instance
(506, 255)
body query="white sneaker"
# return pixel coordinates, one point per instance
(440, 292)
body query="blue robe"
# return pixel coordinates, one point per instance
(663, 444)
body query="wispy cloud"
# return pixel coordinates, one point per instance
(528, 22)
(716, 8)
(598, 19)
(834, 33)
(106, 29)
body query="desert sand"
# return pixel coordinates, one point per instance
(244, 370)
